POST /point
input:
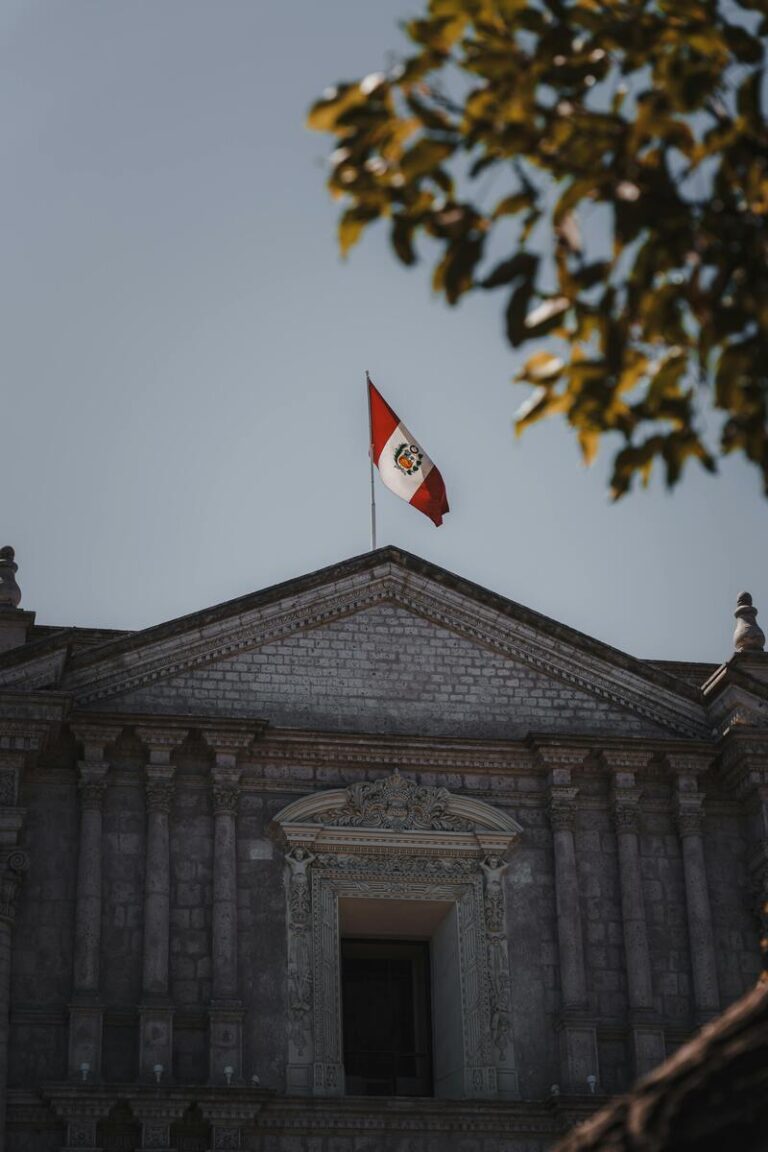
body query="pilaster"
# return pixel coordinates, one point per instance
(744, 764)
(17, 740)
(689, 803)
(156, 1010)
(225, 1014)
(647, 1035)
(86, 1009)
(578, 1037)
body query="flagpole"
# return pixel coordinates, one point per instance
(370, 457)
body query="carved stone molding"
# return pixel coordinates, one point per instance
(229, 742)
(396, 815)
(395, 840)
(9, 785)
(691, 764)
(625, 760)
(560, 760)
(395, 803)
(478, 623)
(13, 865)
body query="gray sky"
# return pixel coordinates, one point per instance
(183, 414)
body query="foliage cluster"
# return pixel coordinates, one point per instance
(626, 146)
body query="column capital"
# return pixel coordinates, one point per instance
(226, 795)
(690, 814)
(562, 808)
(159, 788)
(625, 804)
(92, 783)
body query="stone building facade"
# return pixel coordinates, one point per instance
(195, 818)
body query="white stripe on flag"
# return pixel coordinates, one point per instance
(392, 474)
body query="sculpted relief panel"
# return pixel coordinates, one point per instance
(398, 841)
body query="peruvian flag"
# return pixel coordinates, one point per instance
(403, 464)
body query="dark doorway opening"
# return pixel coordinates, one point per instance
(386, 1015)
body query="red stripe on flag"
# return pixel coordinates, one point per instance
(430, 498)
(383, 420)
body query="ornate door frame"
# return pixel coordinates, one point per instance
(396, 840)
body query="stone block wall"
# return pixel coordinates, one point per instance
(44, 931)
(387, 670)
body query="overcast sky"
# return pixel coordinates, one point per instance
(183, 414)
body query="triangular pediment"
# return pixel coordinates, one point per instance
(382, 642)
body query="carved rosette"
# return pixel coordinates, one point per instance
(15, 865)
(155, 1135)
(226, 1138)
(81, 1133)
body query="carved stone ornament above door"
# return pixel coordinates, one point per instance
(398, 841)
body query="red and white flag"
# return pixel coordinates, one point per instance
(403, 464)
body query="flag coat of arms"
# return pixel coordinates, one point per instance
(403, 465)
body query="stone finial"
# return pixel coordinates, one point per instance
(748, 636)
(10, 593)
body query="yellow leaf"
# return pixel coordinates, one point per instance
(589, 441)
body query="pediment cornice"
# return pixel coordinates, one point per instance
(550, 649)
(396, 815)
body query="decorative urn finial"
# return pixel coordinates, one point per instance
(10, 593)
(748, 636)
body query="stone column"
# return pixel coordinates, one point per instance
(744, 764)
(17, 739)
(578, 1039)
(13, 864)
(647, 1035)
(690, 821)
(156, 1011)
(226, 1015)
(86, 1009)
